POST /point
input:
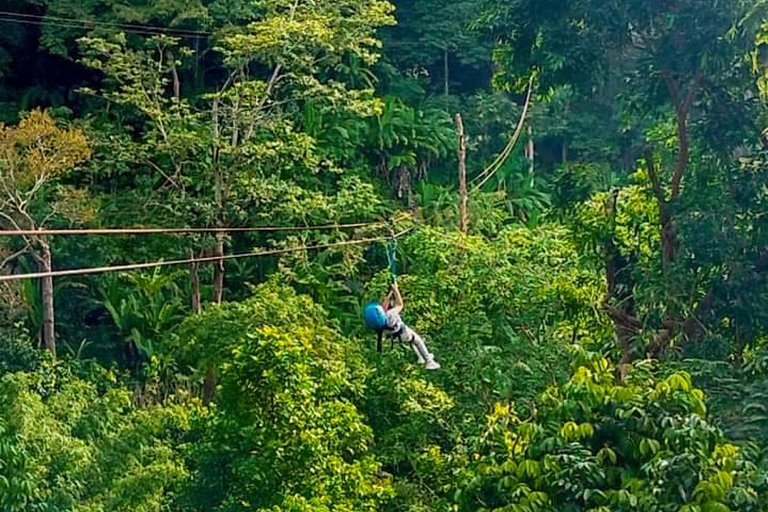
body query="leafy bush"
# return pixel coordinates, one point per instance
(17, 352)
(66, 447)
(593, 444)
(284, 433)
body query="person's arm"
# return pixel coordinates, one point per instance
(397, 307)
(398, 297)
(386, 300)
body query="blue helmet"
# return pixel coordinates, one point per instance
(375, 317)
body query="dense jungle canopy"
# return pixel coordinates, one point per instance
(198, 198)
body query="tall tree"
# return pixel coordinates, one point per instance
(33, 155)
(662, 61)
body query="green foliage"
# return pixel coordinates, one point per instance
(639, 223)
(736, 396)
(151, 312)
(596, 445)
(66, 446)
(498, 315)
(407, 137)
(285, 434)
(431, 32)
(17, 352)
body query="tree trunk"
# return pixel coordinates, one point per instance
(619, 302)
(666, 222)
(218, 271)
(530, 152)
(668, 241)
(218, 266)
(194, 276)
(45, 264)
(209, 384)
(175, 77)
(463, 217)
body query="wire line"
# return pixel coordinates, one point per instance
(42, 19)
(501, 159)
(83, 27)
(155, 264)
(150, 231)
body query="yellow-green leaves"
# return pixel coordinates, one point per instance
(302, 36)
(572, 431)
(36, 151)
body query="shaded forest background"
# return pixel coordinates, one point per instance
(602, 325)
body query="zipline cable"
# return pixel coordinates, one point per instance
(155, 264)
(85, 23)
(392, 252)
(496, 165)
(85, 27)
(152, 231)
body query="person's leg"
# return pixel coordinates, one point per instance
(421, 349)
(418, 354)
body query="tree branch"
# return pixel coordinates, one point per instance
(11, 220)
(15, 255)
(682, 109)
(654, 177)
(672, 87)
(691, 96)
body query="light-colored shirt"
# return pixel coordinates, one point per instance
(395, 324)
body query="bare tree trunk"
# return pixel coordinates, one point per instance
(218, 266)
(175, 76)
(666, 222)
(218, 271)
(530, 152)
(209, 381)
(45, 264)
(209, 384)
(194, 276)
(463, 218)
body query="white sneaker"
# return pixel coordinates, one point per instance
(432, 365)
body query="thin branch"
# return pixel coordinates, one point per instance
(163, 173)
(682, 109)
(682, 120)
(11, 220)
(39, 182)
(654, 177)
(48, 217)
(691, 96)
(273, 78)
(15, 255)
(674, 90)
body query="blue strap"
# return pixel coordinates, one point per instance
(392, 258)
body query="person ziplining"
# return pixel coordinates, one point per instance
(392, 307)
(385, 318)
